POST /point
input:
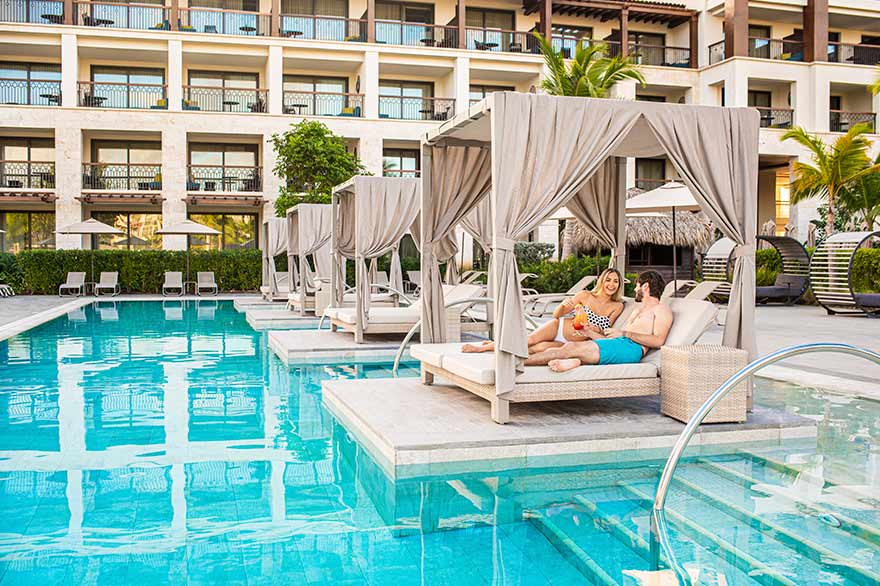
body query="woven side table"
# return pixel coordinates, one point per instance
(690, 374)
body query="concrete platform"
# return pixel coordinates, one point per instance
(242, 304)
(269, 319)
(412, 429)
(316, 346)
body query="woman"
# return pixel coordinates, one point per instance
(601, 307)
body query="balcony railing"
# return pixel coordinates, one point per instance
(855, 54)
(401, 173)
(784, 50)
(660, 55)
(30, 92)
(323, 28)
(27, 175)
(413, 108)
(323, 104)
(841, 121)
(776, 117)
(131, 96)
(121, 177)
(649, 184)
(218, 99)
(225, 22)
(33, 11)
(481, 39)
(121, 15)
(413, 34)
(224, 178)
(716, 52)
(568, 44)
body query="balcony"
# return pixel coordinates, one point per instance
(776, 117)
(27, 175)
(225, 22)
(568, 45)
(779, 49)
(414, 108)
(121, 177)
(854, 54)
(323, 104)
(121, 15)
(413, 34)
(646, 184)
(32, 11)
(30, 92)
(128, 96)
(401, 173)
(660, 55)
(840, 121)
(716, 52)
(228, 178)
(481, 39)
(323, 28)
(218, 99)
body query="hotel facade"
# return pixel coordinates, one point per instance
(143, 114)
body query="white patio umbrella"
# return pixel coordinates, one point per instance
(90, 227)
(670, 197)
(188, 228)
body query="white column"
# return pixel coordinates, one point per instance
(175, 75)
(370, 152)
(819, 101)
(736, 85)
(462, 77)
(624, 90)
(174, 179)
(275, 79)
(69, 71)
(371, 84)
(68, 181)
(548, 231)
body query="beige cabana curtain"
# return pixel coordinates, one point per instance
(274, 243)
(395, 273)
(342, 242)
(478, 223)
(459, 177)
(597, 206)
(310, 224)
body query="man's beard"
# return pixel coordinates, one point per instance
(639, 296)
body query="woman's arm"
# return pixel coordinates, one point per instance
(616, 313)
(569, 304)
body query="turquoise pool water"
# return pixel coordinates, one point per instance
(143, 443)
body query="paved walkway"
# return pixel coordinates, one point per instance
(23, 306)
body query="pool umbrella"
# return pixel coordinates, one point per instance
(672, 196)
(90, 227)
(188, 228)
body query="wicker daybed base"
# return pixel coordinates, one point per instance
(540, 392)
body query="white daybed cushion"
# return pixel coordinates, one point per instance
(381, 315)
(331, 312)
(296, 296)
(690, 320)
(433, 353)
(374, 298)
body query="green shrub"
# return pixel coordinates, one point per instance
(866, 270)
(533, 252)
(555, 277)
(10, 272)
(764, 277)
(768, 259)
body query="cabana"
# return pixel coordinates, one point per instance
(531, 154)
(275, 284)
(831, 277)
(308, 235)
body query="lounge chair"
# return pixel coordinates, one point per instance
(6, 291)
(413, 284)
(786, 289)
(544, 303)
(173, 282)
(74, 287)
(205, 282)
(476, 372)
(108, 281)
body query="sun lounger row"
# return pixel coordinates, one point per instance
(108, 284)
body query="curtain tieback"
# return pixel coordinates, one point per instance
(742, 250)
(504, 244)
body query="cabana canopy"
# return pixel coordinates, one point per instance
(308, 233)
(274, 243)
(534, 153)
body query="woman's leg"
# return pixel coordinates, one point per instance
(544, 334)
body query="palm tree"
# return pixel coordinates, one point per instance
(834, 169)
(591, 73)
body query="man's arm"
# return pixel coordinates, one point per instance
(662, 325)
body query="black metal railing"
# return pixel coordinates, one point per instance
(323, 104)
(840, 121)
(229, 178)
(122, 15)
(568, 45)
(649, 184)
(217, 99)
(764, 48)
(413, 108)
(414, 34)
(225, 22)
(776, 117)
(30, 92)
(401, 173)
(27, 175)
(483, 39)
(32, 11)
(121, 177)
(716, 52)
(132, 96)
(660, 55)
(323, 28)
(855, 54)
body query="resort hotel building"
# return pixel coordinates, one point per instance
(144, 113)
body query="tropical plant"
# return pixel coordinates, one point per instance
(862, 200)
(834, 169)
(311, 160)
(591, 73)
(875, 87)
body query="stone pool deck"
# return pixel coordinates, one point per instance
(273, 318)
(317, 346)
(411, 428)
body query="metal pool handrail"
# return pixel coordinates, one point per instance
(658, 517)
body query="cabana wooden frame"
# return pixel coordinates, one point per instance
(531, 154)
(831, 275)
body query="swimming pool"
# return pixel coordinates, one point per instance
(150, 443)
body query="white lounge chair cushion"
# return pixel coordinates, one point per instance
(382, 315)
(690, 319)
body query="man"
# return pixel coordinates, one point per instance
(645, 329)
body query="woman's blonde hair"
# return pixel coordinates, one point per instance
(600, 284)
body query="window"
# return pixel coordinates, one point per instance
(27, 162)
(315, 7)
(236, 231)
(26, 230)
(401, 162)
(404, 99)
(315, 96)
(487, 18)
(394, 33)
(124, 165)
(478, 92)
(405, 12)
(565, 37)
(647, 39)
(783, 203)
(125, 87)
(223, 154)
(224, 167)
(139, 231)
(759, 41)
(650, 173)
(30, 83)
(246, 5)
(759, 31)
(224, 79)
(758, 99)
(647, 98)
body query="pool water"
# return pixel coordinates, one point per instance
(151, 443)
